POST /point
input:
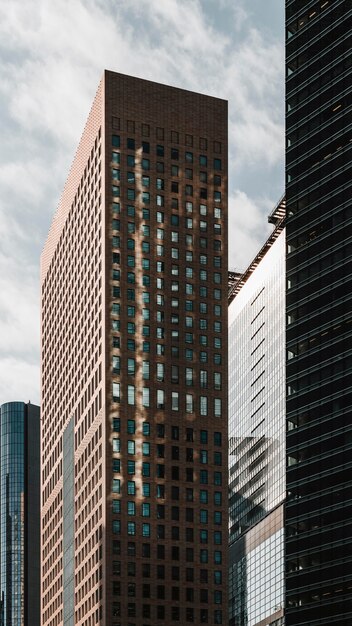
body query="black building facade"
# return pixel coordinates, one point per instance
(19, 514)
(319, 313)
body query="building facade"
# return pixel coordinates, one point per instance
(257, 435)
(319, 329)
(134, 371)
(19, 514)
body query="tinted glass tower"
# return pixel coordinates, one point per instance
(20, 514)
(134, 366)
(319, 312)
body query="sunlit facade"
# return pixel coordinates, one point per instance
(134, 366)
(257, 435)
(19, 514)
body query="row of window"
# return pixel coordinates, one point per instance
(160, 334)
(160, 591)
(160, 473)
(160, 152)
(189, 353)
(190, 613)
(131, 212)
(161, 431)
(160, 451)
(132, 177)
(203, 495)
(159, 199)
(190, 401)
(160, 369)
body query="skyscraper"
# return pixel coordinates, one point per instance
(19, 514)
(134, 368)
(257, 434)
(319, 304)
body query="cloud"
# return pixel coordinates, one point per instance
(248, 226)
(53, 55)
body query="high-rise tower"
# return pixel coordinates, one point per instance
(134, 366)
(257, 434)
(319, 313)
(19, 514)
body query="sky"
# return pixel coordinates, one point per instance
(52, 56)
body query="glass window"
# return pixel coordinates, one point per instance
(145, 509)
(130, 467)
(131, 427)
(146, 490)
(131, 447)
(146, 396)
(146, 448)
(116, 485)
(116, 527)
(131, 487)
(131, 394)
(131, 508)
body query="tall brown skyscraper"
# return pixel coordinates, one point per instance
(134, 366)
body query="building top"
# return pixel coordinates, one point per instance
(145, 101)
(236, 280)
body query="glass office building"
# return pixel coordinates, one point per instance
(20, 514)
(257, 434)
(319, 313)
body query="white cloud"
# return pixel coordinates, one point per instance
(248, 226)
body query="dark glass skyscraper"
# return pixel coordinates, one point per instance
(319, 313)
(20, 514)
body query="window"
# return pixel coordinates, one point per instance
(116, 424)
(145, 469)
(131, 487)
(116, 527)
(145, 530)
(116, 485)
(174, 153)
(146, 490)
(203, 405)
(131, 528)
(189, 403)
(145, 164)
(175, 400)
(131, 508)
(115, 140)
(160, 399)
(217, 407)
(145, 397)
(116, 392)
(116, 445)
(131, 466)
